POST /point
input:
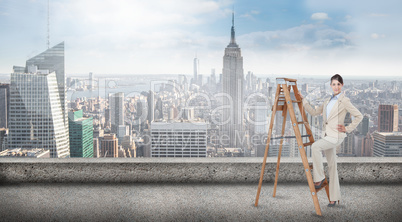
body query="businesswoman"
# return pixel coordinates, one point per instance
(334, 110)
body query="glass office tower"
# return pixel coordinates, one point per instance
(36, 116)
(81, 134)
(53, 60)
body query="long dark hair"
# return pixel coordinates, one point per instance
(337, 77)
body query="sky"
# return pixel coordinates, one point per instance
(306, 37)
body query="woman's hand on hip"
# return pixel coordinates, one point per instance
(341, 128)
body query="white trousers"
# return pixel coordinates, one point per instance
(328, 145)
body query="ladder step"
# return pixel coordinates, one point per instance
(293, 101)
(301, 122)
(288, 137)
(322, 186)
(308, 144)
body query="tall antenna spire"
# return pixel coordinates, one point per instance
(233, 18)
(232, 34)
(48, 24)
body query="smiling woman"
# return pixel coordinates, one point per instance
(334, 110)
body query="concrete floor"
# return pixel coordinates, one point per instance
(194, 202)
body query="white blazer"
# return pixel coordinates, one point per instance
(336, 116)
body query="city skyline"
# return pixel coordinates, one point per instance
(354, 39)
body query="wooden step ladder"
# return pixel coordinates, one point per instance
(284, 86)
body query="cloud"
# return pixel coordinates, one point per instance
(319, 16)
(138, 14)
(377, 36)
(245, 15)
(250, 14)
(299, 38)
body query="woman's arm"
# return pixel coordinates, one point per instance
(358, 117)
(309, 109)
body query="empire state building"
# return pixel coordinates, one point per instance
(232, 88)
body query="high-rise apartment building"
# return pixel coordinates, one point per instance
(367, 145)
(116, 105)
(365, 125)
(109, 146)
(3, 136)
(232, 87)
(151, 106)
(4, 105)
(178, 139)
(388, 118)
(387, 144)
(81, 134)
(195, 70)
(96, 147)
(36, 114)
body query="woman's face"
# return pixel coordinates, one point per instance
(336, 86)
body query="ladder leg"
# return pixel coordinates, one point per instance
(302, 152)
(263, 169)
(280, 149)
(310, 181)
(327, 189)
(314, 193)
(267, 146)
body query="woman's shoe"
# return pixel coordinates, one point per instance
(319, 185)
(332, 204)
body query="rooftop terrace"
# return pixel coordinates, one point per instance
(191, 189)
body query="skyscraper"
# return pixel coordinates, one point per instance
(151, 106)
(109, 146)
(81, 134)
(232, 87)
(365, 125)
(36, 115)
(116, 105)
(178, 139)
(4, 105)
(3, 136)
(387, 118)
(367, 145)
(387, 144)
(195, 69)
(53, 60)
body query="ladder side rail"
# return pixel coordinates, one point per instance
(301, 151)
(303, 114)
(285, 111)
(267, 144)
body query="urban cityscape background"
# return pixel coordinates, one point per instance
(47, 112)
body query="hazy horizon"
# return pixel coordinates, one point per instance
(272, 76)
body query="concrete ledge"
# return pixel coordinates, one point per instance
(188, 170)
